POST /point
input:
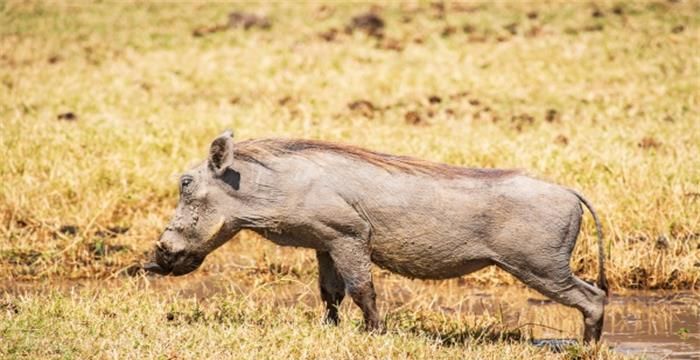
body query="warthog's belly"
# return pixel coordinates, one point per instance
(428, 263)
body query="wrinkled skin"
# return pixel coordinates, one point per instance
(355, 213)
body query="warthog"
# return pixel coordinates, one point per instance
(357, 207)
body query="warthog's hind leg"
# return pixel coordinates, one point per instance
(331, 285)
(568, 290)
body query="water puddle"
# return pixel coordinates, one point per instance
(656, 325)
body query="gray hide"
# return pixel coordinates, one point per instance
(356, 207)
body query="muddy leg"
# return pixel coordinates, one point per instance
(355, 268)
(331, 285)
(593, 314)
(571, 291)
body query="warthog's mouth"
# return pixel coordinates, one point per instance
(155, 268)
(181, 266)
(182, 262)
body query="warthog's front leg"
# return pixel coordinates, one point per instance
(353, 263)
(332, 286)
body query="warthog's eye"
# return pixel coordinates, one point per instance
(185, 182)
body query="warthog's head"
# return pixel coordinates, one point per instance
(205, 215)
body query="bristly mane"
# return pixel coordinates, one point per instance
(255, 151)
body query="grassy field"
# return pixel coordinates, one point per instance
(137, 322)
(102, 105)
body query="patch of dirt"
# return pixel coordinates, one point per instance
(414, 118)
(370, 23)
(329, 35)
(434, 99)
(236, 20)
(20, 257)
(193, 316)
(662, 243)
(476, 38)
(459, 95)
(285, 100)
(112, 231)
(552, 116)
(649, 143)
(512, 28)
(593, 28)
(693, 196)
(678, 29)
(437, 10)
(438, 6)
(21, 223)
(68, 230)
(561, 140)
(205, 30)
(324, 12)
(363, 107)
(248, 21)
(53, 59)
(534, 31)
(9, 307)
(67, 116)
(521, 121)
(391, 44)
(448, 31)
(418, 39)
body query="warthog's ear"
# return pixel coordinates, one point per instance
(221, 153)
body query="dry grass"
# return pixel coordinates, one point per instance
(605, 104)
(102, 105)
(139, 322)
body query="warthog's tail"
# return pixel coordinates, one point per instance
(602, 280)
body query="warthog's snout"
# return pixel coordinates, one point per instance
(168, 262)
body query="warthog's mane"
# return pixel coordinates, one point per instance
(258, 151)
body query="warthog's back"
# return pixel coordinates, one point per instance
(425, 220)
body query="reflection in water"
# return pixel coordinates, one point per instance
(656, 324)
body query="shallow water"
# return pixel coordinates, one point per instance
(655, 324)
